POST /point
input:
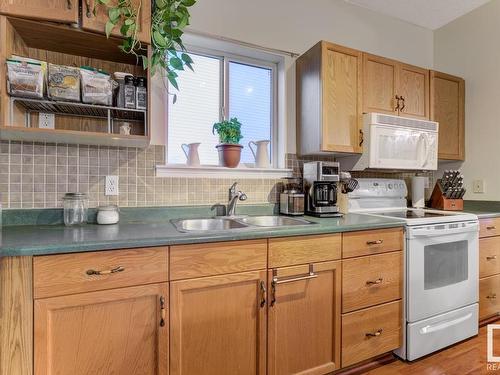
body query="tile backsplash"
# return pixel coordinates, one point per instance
(37, 175)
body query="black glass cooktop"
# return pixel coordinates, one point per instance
(412, 214)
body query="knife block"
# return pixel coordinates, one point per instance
(440, 202)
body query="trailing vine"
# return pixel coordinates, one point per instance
(168, 21)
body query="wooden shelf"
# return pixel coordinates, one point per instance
(15, 133)
(70, 40)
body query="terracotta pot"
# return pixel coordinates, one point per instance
(229, 154)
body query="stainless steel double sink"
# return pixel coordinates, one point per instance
(236, 223)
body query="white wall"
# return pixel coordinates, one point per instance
(468, 47)
(296, 25)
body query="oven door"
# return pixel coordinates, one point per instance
(402, 148)
(442, 268)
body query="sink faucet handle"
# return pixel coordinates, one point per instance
(243, 196)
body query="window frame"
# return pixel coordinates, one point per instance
(225, 58)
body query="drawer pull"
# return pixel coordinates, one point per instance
(163, 312)
(374, 334)
(69, 4)
(376, 242)
(491, 227)
(493, 257)
(492, 296)
(263, 292)
(276, 281)
(374, 282)
(106, 272)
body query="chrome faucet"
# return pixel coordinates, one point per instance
(234, 197)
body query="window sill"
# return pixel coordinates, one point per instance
(208, 171)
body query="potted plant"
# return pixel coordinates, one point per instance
(229, 137)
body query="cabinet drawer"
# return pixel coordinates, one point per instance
(305, 249)
(370, 242)
(489, 227)
(489, 296)
(372, 280)
(190, 261)
(489, 256)
(56, 275)
(370, 332)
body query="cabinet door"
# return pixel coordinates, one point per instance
(64, 11)
(447, 98)
(342, 112)
(97, 21)
(304, 320)
(414, 88)
(379, 84)
(117, 331)
(218, 325)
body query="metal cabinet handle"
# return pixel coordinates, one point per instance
(374, 334)
(403, 106)
(361, 137)
(491, 227)
(397, 103)
(377, 242)
(493, 257)
(276, 281)
(263, 293)
(492, 296)
(163, 311)
(374, 282)
(105, 272)
(87, 5)
(69, 4)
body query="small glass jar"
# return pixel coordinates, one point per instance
(75, 208)
(108, 214)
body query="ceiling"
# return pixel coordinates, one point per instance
(431, 14)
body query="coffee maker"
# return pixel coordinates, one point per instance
(320, 186)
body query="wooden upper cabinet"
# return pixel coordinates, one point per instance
(380, 81)
(329, 112)
(63, 11)
(218, 325)
(117, 331)
(447, 99)
(97, 21)
(386, 80)
(304, 320)
(414, 88)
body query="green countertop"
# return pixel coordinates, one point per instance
(36, 239)
(483, 209)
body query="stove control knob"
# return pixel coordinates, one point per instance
(389, 186)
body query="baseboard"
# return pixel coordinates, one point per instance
(489, 320)
(365, 366)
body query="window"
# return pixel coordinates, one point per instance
(221, 86)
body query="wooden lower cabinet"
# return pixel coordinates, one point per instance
(118, 331)
(218, 325)
(304, 320)
(489, 297)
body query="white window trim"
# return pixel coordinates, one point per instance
(249, 56)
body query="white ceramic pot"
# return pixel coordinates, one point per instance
(260, 153)
(191, 152)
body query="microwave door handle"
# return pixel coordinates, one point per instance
(440, 326)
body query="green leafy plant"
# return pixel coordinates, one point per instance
(228, 131)
(168, 20)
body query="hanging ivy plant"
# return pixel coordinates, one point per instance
(168, 21)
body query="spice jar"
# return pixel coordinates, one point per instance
(108, 214)
(75, 208)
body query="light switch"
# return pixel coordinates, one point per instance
(478, 186)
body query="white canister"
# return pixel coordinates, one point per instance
(418, 191)
(108, 214)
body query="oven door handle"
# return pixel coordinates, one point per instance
(440, 326)
(444, 232)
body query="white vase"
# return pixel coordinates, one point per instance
(191, 152)
(261, 153)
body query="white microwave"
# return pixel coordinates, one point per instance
(396, 143)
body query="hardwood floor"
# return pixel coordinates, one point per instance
(468, 357)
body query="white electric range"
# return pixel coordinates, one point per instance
(441, 267)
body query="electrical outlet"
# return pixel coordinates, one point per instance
(46, 120)
(478, 186)
(111, 187)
